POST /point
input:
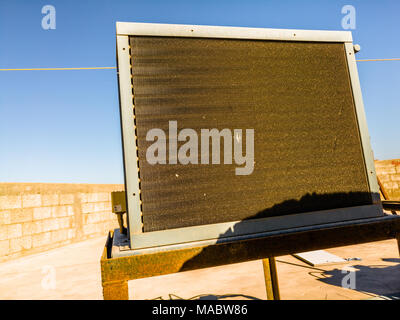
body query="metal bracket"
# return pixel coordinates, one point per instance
(118, 204)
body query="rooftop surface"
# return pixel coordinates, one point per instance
(73, 272)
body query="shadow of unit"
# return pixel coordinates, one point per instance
(116, 272)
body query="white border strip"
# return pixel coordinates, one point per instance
(181, 30)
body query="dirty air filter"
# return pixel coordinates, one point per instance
(297, 96)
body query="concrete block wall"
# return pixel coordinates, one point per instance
(388, 172)
(35, 217)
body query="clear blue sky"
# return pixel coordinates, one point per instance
(63, 126)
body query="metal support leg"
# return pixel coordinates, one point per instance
(115, 290)
(271, 279)
(398, 242)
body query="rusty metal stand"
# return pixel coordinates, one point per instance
(116, 272)
(398, 242)
(116, 290)
(271, 279)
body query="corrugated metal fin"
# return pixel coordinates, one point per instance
(295, 95)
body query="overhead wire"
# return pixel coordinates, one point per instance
(51, 69)
(392, 59)
(104, 68)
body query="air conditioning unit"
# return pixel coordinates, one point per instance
(232, 133)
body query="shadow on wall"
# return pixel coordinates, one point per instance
(307, 203)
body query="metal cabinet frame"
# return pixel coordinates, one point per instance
(230, 231)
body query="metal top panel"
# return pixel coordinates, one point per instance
(180, 30)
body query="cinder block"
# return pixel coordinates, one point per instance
(42, 213)
(105, 196)
(83, 197)
(111, 216)
(40, 226)
(5, 217)
(107, 206)
(395, 177)
(89, 229)
(10, 202)
(96, 217)
(105, 216)
(50, 224)
(14, 231)
(31, 200)
(50, 199)
(60, 211)
(386, 170)
(102, 206)
(384, 177)
(87, 207)
(59, 235)
(70, 210)
(26, 242)
(92, 218)
(72, 221)
(382, 166)
(27, 228)
(97, 206)
(3, 232)
(98, 197)
(4, 247)
(17, 245)
(42, 239)
(21, 215)
(64, 223)
(37, 227)
(390, 185)
(71, 233)
(106, 227)
(66, 198)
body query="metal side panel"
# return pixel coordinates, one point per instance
(129, 136)
(362, 123)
